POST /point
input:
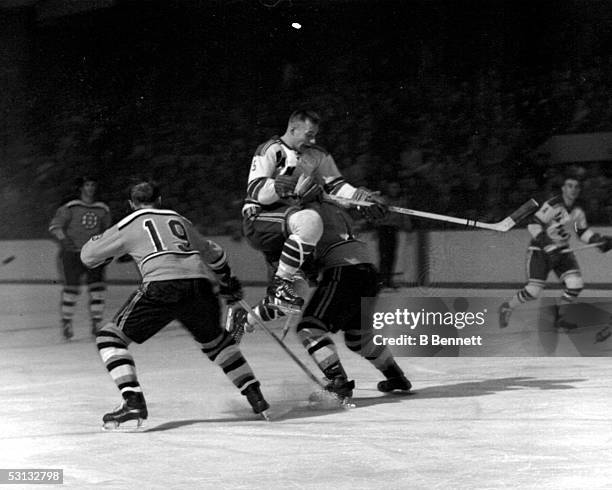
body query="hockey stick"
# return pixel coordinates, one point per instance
(504, 225)
(261, 325)
(582, 247)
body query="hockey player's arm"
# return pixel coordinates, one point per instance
(261, 185)
(215, 257)
(587, 235)
(56, 227)
(101, 249)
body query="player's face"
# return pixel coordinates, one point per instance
(89, 189)
(304, 132)
(571, 189)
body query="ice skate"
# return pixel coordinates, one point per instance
(257, 401)
(67, 329)
(504, 314)
(398, 383)
(237, 323)
(129, 415)
(282, 295)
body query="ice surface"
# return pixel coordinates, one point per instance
(496, 422)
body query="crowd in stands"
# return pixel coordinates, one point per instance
(465, 147)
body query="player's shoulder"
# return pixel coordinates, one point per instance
(148, 213)
(273, 144)
(555, 200)
(73, 203)
(316, 149)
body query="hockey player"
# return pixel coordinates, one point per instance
(73, 224)
(551, 232)
(180, 271)
(287, 175)
(347, 276)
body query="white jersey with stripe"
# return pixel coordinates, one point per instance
(164, 245)
(274, 158)
(558, 221)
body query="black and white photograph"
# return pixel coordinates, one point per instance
(310, 244)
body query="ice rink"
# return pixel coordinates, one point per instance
(472, 422)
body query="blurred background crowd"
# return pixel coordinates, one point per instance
(452, 100)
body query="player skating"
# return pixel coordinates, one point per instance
(347, 276)
(548, 251)
(287, 175)
(180, 271)
(73, 224)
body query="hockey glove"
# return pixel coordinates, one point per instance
(308, 190)
(230, 289)
(378, 210)
(284, 185)
(605, 242)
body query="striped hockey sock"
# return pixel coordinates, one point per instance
(293, 256)
(318, 344)
(97, 294)
(378, 355)
(113, 350)
(68, 302)
(224, 352)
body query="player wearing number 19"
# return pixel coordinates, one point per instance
(182, 277)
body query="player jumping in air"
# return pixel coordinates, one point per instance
(551, 232)
(181, 275)
(288, 176)
(347, 276)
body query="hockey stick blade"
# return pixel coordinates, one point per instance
(504, 225)
(262, 325)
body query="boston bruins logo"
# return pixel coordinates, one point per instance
(89, 220)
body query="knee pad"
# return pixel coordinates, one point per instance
(307, 225)
(574, 281)
(533, 290)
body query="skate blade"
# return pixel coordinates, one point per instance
(265, 415)
(134, 425)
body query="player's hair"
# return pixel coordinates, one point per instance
(146, 192)
(303, 115)
(80, 181)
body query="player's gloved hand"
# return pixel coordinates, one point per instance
(230, 289)
(378, 210)
(604, 241)
(284, 185)
(308, 190)
(607, 244)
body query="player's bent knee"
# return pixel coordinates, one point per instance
(111, 330)
(574, 282)
(307, 225)
(533, 291)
